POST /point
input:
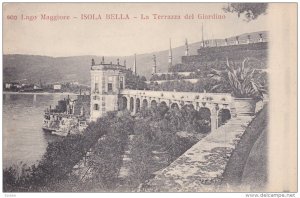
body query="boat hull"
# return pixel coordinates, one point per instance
(50, 130)
(59, 133)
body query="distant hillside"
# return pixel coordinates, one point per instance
(50, 69)
(76, 68)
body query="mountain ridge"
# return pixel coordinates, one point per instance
(47, 69)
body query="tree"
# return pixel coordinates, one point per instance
(250, 10)
(141, 152)
(134, 81)
(57, 163)
(107, 158)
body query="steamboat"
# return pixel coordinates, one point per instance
(68, 117)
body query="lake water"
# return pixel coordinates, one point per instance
(23, 137)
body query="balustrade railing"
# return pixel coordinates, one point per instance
(184, 96)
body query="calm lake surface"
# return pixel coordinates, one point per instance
(23, 137)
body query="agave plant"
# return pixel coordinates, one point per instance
(243, 81)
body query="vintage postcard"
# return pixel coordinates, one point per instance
(149, 97)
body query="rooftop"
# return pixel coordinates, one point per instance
(109, 66)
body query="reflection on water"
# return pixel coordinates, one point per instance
(23, 137)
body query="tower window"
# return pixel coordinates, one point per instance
(109, 87)
(96, 87)
(121, 83)
(96, 107)
(96, 97)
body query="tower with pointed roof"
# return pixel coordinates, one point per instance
(186, 47)
(202, 43)
(170, 57)
(134, 65)
(154, 65)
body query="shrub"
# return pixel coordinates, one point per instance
(243, 82)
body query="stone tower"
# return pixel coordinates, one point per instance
(106, 82)
(237, 42)
(260, 38)
(154, 65)
(186, 48)
(248, 39)
(202, 43)
(134, 65)
(170, 57)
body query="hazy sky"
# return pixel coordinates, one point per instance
(114, 37)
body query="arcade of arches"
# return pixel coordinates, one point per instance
(212, 115)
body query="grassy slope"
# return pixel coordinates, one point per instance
(233, 174)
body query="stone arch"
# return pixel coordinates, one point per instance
(131, 104)
(223, 116)
(137, 105)
(174, 105)
(163, 108)
(182, 103)
(190, 106)
(123, 103)
(188, 111)
(204, 119)
(204, 113)
(163, 103)
(145, 104)
(186, 107)
(153, 104)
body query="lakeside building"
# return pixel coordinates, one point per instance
(108, 91)
(107, 80)
(57, 87)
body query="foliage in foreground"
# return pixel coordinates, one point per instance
(250, 10)
(58, 161)
(154, 130)
(156, 143)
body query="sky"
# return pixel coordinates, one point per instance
(114, 37)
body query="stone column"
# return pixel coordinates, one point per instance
(124, 82)
(134, 106)
(237, 42)
(197, 107)
(260, 38)
(148, 102)
(169, 104)
(128, 103)
(248, 39)
(214, 119)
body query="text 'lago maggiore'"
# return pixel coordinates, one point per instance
(45, 17)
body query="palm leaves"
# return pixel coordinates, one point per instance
(243, 80)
